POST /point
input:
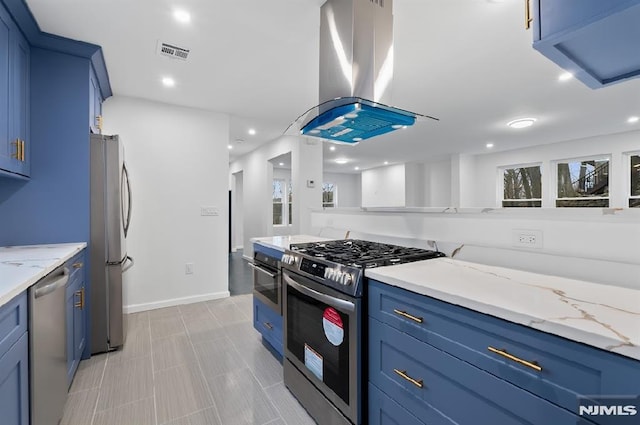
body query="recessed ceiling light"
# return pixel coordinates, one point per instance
(356, 168)
(168, 82)
(182, 16)
(386, 163)
(565, 76)
(632, 120)
(332, 148)
(229, 147)
(489, 145)
(341, 161)
(521, 123)
(252, 131)
(281, 164)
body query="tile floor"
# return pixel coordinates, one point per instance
(197, 364)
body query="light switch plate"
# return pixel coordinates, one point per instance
(311, 183)
(209, 211)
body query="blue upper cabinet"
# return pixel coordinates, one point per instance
(14, 99)
(95, 104)
(596, 40)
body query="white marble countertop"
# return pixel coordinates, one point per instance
(22, 266)
(603, 316)
(284, 242)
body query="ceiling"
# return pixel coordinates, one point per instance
(468, 62)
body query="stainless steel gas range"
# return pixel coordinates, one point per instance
(324, 287)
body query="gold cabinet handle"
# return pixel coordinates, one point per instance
(80, 304)
(22, 151)
(527, 14)
(77, 265)
(267, 325)
(503, 353)
(403, 373)
(408, 316)
(99, 122)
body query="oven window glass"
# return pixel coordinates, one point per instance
(266, 285)
(307, 340)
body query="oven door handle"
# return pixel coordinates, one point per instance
(260, 269)
(327, 299)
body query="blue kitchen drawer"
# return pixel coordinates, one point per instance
(269, 324)
(569, 369)
(76, 265)
(383, 410)
(447, 390)
(13, 321)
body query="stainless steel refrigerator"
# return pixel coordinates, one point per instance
(110, 219)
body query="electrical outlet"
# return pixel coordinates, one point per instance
(526, 238)
(188, 268)
(209, 211)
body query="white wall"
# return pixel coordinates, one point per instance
(175, 169)
(349, 188)
(488, 179)
(306, 158)
(438, 184)
(384, 186)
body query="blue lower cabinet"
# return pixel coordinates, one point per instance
(14, 383)
(384, 411)
(441, 389)
(269, 324)
(13, 321)
(75, 316)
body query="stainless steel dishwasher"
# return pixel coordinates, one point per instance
(47, 347)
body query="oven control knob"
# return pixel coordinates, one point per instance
(288, 259)
(329, 273)
(346, 279)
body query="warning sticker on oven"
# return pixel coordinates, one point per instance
(313, 361)
(333, 326)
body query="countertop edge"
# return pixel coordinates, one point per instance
(42, 272)
(538, 323)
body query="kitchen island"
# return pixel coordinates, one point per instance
(513, 346)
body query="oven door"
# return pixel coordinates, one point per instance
(267, 285)
(321, 338)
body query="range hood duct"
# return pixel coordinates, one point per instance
(356, 75)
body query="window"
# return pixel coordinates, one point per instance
(329, 195)
(634, 199)
(522, 187)
(583, 183)
(282, 205)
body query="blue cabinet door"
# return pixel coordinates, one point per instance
(7, 149)
(72, 360)
(95, 103)
(20, 99)
(14, 383)
(79, 339)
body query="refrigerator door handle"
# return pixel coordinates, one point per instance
(126, 219)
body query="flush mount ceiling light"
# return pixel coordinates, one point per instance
(489, 145)
(565, 76)
(252, 131)
(332, 148)
(168, 82)
(521, 123)
(341, 161)
(182, 16)
(632, 120)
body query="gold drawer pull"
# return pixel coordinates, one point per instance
(408, 316)
(77, 265)
(268, 325)
(403, 373)
(80, 304)
(515, 359)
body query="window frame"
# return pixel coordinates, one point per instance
(556, 198)
(628, 169)
(500, 194)
(335, 195)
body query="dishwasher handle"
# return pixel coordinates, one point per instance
(52, 282)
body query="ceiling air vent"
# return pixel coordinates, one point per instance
(172, 51)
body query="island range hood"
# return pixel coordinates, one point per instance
(356, 74)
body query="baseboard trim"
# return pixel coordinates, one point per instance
(135, 308)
